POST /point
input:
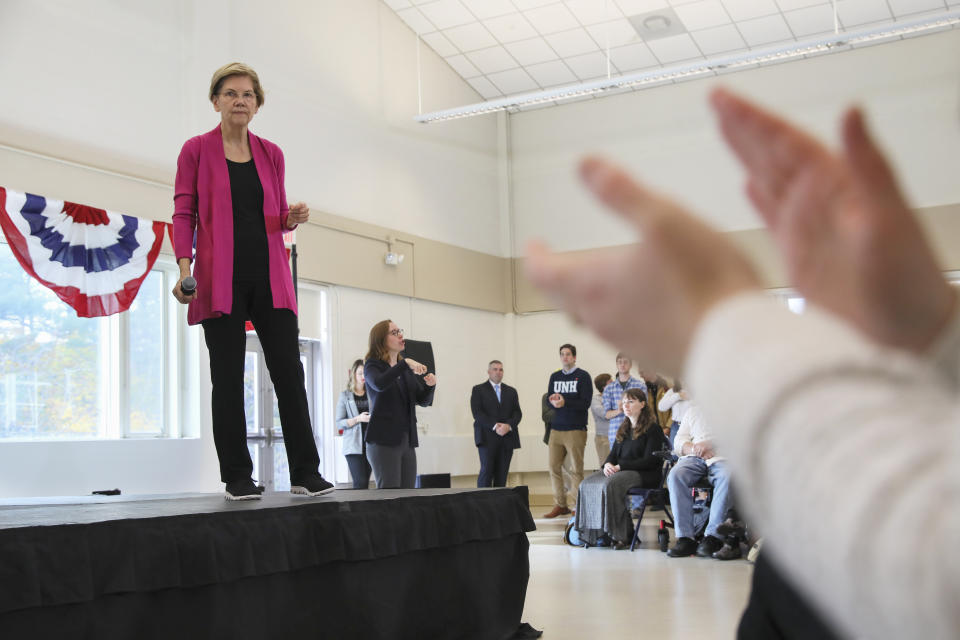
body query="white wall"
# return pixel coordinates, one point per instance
(667, 136)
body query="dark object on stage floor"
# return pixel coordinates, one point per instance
(526, 631)
(433, 480)
(450, 563)
(106, 492)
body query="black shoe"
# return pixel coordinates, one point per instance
(242, 490)
(684, 547)
(314, 486)
(709, 546)
(729, 552)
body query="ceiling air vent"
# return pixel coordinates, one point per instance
(661, 23)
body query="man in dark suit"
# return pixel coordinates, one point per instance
(496, 414)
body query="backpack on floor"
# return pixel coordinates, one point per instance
(572, 536)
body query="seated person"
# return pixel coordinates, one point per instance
(694, 445)
(602, 499)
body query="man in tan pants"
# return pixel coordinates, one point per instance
(570, 394)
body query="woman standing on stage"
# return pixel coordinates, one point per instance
(396, 386)
(352, 417)
(230, 193)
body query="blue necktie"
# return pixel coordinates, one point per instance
(496, 388)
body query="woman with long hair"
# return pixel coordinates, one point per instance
(602, 508)
(230, 202)
(353, 414)
(395, 385)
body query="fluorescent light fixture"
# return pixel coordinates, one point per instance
(711, 66)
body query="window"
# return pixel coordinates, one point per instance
(64, 377)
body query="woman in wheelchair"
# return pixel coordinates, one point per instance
(601, 506)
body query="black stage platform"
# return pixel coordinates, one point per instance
(424, 564)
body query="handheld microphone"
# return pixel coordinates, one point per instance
(188, 285)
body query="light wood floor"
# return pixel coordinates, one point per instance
(592, 593)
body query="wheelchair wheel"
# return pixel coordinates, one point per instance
(663, 536)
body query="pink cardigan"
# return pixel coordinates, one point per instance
(203, 203)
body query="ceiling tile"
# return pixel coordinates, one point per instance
(510, 28)
(485, 88)
(551, 18)
(722, 39)
(702, 15)
(748, 9)
(484, 9)
(857, 12)
(593, 11)
(551, 74)
(416, 21)
(463, 66)
(513, 81)
(532, 51)
(397, 4)
(470, 37)
(810, 20)
(571, 43)
(590, 66)
(523, 5)
(790, 5)
(492, 59)
(908, 7)
(633, 57)
(446, 13)
(620, 32)
(766, 30)
(634, 7)
(440, 44)
(675, 48)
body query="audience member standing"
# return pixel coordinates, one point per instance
(675, 401)
(352, 417)
(570, 395)
(601, 436)
(613, 393)
(496, 414)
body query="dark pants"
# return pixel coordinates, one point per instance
(359, 470)
(495, 458)
(226, 341)
(394, 466)
(777, 612)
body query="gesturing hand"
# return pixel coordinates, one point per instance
(688, 267)
(430, 379)
(299, 213)
(848, 237)
(415, 366)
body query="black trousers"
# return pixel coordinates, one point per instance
(777, 612)
(226, 341)
(495, 458)
(359, 470)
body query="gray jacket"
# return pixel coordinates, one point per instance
(352, 436)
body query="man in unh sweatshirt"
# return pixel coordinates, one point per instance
(570, 394)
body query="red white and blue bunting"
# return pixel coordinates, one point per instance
(93, 259)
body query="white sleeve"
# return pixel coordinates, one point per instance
(944, 353)
(685, 432)
(855, 488)
(669, 399)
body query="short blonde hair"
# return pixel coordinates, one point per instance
(235, 69)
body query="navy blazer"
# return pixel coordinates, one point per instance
(387, 401)
(488, 412)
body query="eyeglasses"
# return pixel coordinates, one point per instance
(247, 96)
(397, 332)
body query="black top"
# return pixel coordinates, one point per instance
(250, 255)
(362, 405)
(394, 393)
(637, 455)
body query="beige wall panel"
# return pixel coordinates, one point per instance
(445, 273)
